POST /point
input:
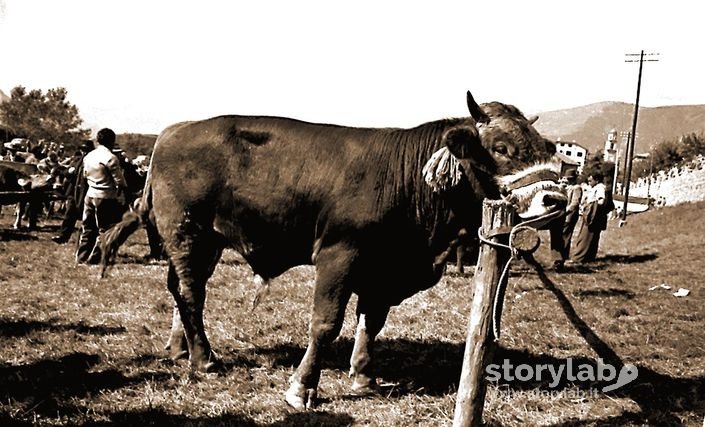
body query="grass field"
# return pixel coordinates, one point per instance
(76, 350)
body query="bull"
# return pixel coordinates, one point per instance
(284, 192)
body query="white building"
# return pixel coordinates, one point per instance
(573, 151)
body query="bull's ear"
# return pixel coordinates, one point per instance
(462, 140)
(475, 110)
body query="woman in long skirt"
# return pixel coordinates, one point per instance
(594, 210)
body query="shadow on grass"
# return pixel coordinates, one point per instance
(433, 368)
(145, 259)
(20, 328)
(659, 396)
(44, 387)
(161, 418)
(607, 261)
(605, 293)
(626, 259)
(17, 235)
(47, 388)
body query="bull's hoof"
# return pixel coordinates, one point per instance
(178, 350)
(363, 386)
(213, 364)
(300, 397)
(178, 355)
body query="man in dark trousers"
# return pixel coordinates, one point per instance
(75, 193)
(105, 196)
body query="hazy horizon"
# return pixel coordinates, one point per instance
(141, 66)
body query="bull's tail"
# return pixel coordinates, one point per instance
(113, 238)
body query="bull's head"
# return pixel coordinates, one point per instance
(509, 135)
(499, 140)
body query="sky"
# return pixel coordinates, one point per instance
(141, 65)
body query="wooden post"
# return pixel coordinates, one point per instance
(497, 216)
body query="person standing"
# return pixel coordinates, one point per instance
(102, 206)
(572, 210)
(593, 212)
(75, 192)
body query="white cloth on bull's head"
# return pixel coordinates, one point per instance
(537, 206)
(532, 188)
(538, 172)
(442, 171)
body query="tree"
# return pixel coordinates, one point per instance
(690, 145)
(49, 116)
(666, 155)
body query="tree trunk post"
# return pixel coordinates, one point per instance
(497, 217)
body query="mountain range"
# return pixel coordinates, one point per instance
(589, 125)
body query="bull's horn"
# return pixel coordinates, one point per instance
(476, 111)
(533, 119)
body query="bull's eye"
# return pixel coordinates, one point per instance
(500, 148)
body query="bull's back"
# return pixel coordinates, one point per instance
(262, 160)
(269, 185)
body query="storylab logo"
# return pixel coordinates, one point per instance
(555, 374)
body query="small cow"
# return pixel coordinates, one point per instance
(283, 193)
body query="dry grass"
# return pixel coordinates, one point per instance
(75, 350)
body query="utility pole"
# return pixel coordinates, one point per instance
(630, 146)
(626, 137)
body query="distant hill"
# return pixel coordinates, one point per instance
(3, 97)
(588, 125)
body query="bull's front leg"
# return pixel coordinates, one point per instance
(370, 321)
(331, 295)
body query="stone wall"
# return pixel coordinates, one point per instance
(682, 184)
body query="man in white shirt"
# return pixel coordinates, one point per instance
(104, 202)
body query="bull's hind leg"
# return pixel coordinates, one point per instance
(370, 321)
(177, 345)
(331, 295)
(193, 259)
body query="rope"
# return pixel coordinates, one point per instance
(503, 279)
